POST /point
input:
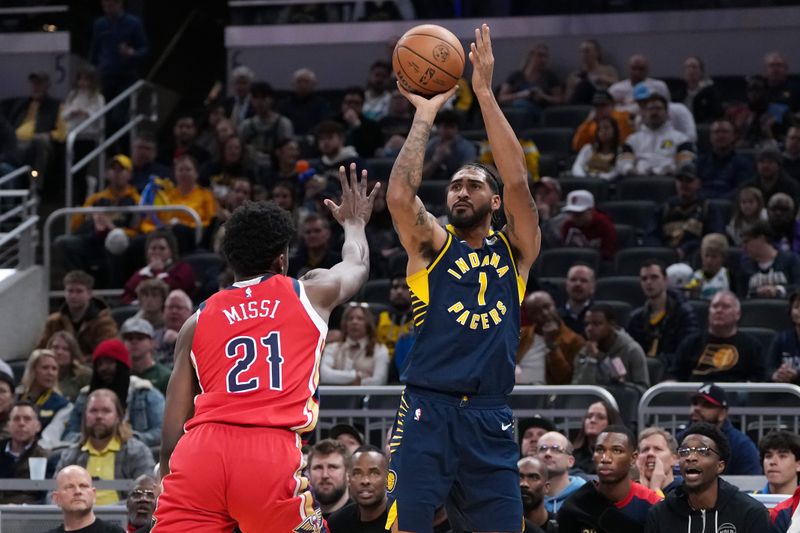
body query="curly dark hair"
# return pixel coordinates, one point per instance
(256, 234)
(714, 433)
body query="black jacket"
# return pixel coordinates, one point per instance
(670, 331)
(741, 511)
(586, 510)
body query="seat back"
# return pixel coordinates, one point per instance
(654, 188)
(762, 313)
(627, 262)
(636, 213)
(622, 288)
(557, 261)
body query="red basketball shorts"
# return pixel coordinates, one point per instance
(222, 475)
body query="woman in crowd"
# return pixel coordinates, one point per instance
(598, 417)
(697, 92)
(535, 86)
(207, 133)
(39, 386)
(73, 375)
(599, 159)
(6, 401)
(748, 210)
(163, 263)
(152, 293)
(358, 359)
(284, 163)
(233, 162)
(592, 74)
(784, 352)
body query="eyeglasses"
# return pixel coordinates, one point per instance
(555, 449)
(703, 451)
(140, 494)
(362, 305)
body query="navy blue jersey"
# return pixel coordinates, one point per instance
(466, 307)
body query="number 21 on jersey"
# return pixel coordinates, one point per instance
(246, 351)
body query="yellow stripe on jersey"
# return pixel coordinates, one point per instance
(392, 516)
(418, 282)
(520, 281)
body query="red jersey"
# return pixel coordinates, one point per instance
(256, 350)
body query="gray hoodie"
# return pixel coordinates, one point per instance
(589, 370)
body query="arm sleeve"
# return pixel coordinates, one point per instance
(583, 156)
(774, 355)
(558, 366)
(380, 374)
(638, 371)
(330, 375)
(680, 365)
(50, 436)
(154, 402)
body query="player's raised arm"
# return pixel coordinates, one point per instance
(328, 288)
(182, 389)
(523, 218)
(419, 232)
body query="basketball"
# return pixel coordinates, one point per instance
(428, 60)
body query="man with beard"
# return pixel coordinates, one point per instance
(704, 498)
(533, 485)
(368, 477)
(107, 447)
(328, 464)
(75, 495)
(141, 504)
(467, 283)
(614, 503)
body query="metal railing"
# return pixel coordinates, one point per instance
(144, 209)
(132, 95)
(18, 233)
(672, 414)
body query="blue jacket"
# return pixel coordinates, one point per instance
(722, 176)
(107, 35)
(554, 503)
(785, 348)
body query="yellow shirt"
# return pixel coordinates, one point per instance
(101, 466)
(27, 129)
(388, 332)
(200, 199)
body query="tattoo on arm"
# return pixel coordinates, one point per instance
(422, 217)
(409, 161)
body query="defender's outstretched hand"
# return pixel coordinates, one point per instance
(480, 54)
(431, 105)
(356, 204)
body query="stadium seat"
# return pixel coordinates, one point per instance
(433, 193)
(596, 186)
(731, 88)
(375, 290)
(548, 165)
(397, 263)
(565, 116)
(555, 262)
(627, 261)
(763, 313)
(655, 369)
(763, 335)
(556, 287)
(654, 188)
(551, 140)
(703, 138)
(725, 208)
(122, 313)
(519, 118)
(636, 213)
(379, 167)
(701, 312)
(626, 236)
(622, 310)
(203, 262)
(622, 288)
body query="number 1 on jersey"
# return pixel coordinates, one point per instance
(482, 292)
(249, 350)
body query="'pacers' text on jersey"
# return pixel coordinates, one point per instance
(466, 308)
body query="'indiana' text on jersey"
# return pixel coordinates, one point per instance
(466, 308)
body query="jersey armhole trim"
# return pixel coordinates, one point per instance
(520, 284)
(322, 326)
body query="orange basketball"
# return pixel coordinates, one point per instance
(428, 60)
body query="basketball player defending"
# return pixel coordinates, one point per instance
(453, 435)
(245, 381)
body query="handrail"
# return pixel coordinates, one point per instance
(14, 173)
(50, 484)
(64, 211)
(27, 253)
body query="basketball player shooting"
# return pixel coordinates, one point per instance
(453, 436)
(246, 372)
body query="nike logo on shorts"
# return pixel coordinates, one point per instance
(505, 426)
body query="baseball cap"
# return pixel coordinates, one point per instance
(712, 394)
(645, 91)
(346, 429)
(536, 421)
(687, 170)
(137, 325)
(602, 98)
(579, 201)
(770, 153)
(122, 160)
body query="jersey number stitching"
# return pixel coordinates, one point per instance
(249, 352)
(482, 292)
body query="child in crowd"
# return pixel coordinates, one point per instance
(748, 210)
(712, 277)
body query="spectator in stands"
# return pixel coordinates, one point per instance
(722, 353)
(722, 170)
(780, 88)
(239, 192)
(765, 272)
(784, 351)
(239, 106)
(106, 440)
(395, 125)
(678, 115)
(23, 427)
(358, 359)
(780, 457)
(137, 334)
(781, 220)
(622, 91)
(142, 503)
(368, 482)
(598, 417)
(38, 122)
(555, 451)
(143, 158)
(759, 123)
(658, 148)
(76, 496)
(580, 297)
(86, 317)
(304, 107)
(533, 87)
(770, 177)
(266, 128)
(352, 438)
(791, 153)
(9, 156)
(361, 133)
(592, 75)
(328, 464)
(233, 162)
(712, 276)
(151, 294)
(184, 143)
(286, 165)
(684, 219)
(163, 262)
(587, 227)
(334, 152)
(748, 211)
(658, 456)
(398, 319)
(447, 150)
(599, 159)
(534, 485)
(178, 307)
(142, 404)
(547, 347)
(39, 386)
(377, 95)
(547, 192)
(704, 455)
(697, 92)
(615, 502)
(118, 47)
(603, 107)
(785, 515)
(665, 318)
(73, 375)
(316, 250)
(7, 396)
(530, 430)
(214, 112)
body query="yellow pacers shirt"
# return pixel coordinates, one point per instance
(101, 466)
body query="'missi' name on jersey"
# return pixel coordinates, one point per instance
(252, 309)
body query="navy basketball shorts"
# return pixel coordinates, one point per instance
(453, 447)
